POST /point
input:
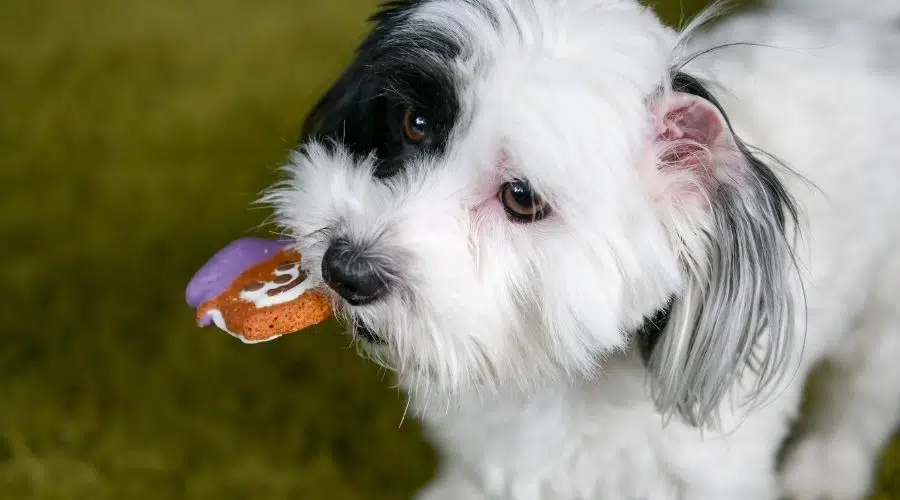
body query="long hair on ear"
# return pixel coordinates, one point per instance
(737, 314)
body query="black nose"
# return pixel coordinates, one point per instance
(351, 274)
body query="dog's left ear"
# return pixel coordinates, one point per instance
(728, 214)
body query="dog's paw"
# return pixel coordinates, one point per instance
(819, 468)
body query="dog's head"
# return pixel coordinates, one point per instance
(501, 193)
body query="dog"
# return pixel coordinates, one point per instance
(604, 255)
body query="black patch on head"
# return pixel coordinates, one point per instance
(396, 68)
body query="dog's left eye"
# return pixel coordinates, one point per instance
(415, 125)
(521, 203)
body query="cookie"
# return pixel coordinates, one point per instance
(256, 290)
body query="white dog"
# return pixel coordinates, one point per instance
(603, 255)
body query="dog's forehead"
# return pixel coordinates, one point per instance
(459, 42)
(485, 28)
(470, 42)
(470, 65)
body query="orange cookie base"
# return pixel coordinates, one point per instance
(268, 283)
(307, 310)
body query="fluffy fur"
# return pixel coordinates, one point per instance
(722, 218)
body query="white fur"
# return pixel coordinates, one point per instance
(512, 339)
(871, 10)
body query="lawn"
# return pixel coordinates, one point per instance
(134, 137)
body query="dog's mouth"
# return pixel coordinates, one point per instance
(359, 329)
(365, 333)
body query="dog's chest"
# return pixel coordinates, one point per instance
(562, 443)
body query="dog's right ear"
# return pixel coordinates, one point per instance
(337, 115)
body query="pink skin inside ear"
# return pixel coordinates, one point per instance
(691, 146)
(691, 118)
(690, 135)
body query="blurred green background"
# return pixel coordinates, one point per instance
(134, 137)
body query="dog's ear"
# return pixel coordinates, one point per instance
(728, 214)
(332, 109)
(346, 112)
(352, 110)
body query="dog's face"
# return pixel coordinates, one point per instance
(500, 193)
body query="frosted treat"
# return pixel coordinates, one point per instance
(255, 290)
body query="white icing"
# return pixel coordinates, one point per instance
(219, 321)
(261, 299)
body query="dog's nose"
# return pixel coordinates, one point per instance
(351, 274)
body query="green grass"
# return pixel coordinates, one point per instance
(133, 138)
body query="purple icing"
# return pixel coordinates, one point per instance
(205, 321)
(226, 265)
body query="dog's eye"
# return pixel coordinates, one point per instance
(521, 203)
(415, 125)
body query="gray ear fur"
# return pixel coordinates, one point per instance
(736, 315)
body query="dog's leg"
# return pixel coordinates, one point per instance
(740, 466)
(767, 490)
(859, 408)
(451, 483)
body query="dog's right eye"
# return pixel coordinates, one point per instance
(521, 203)
(415, 126)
